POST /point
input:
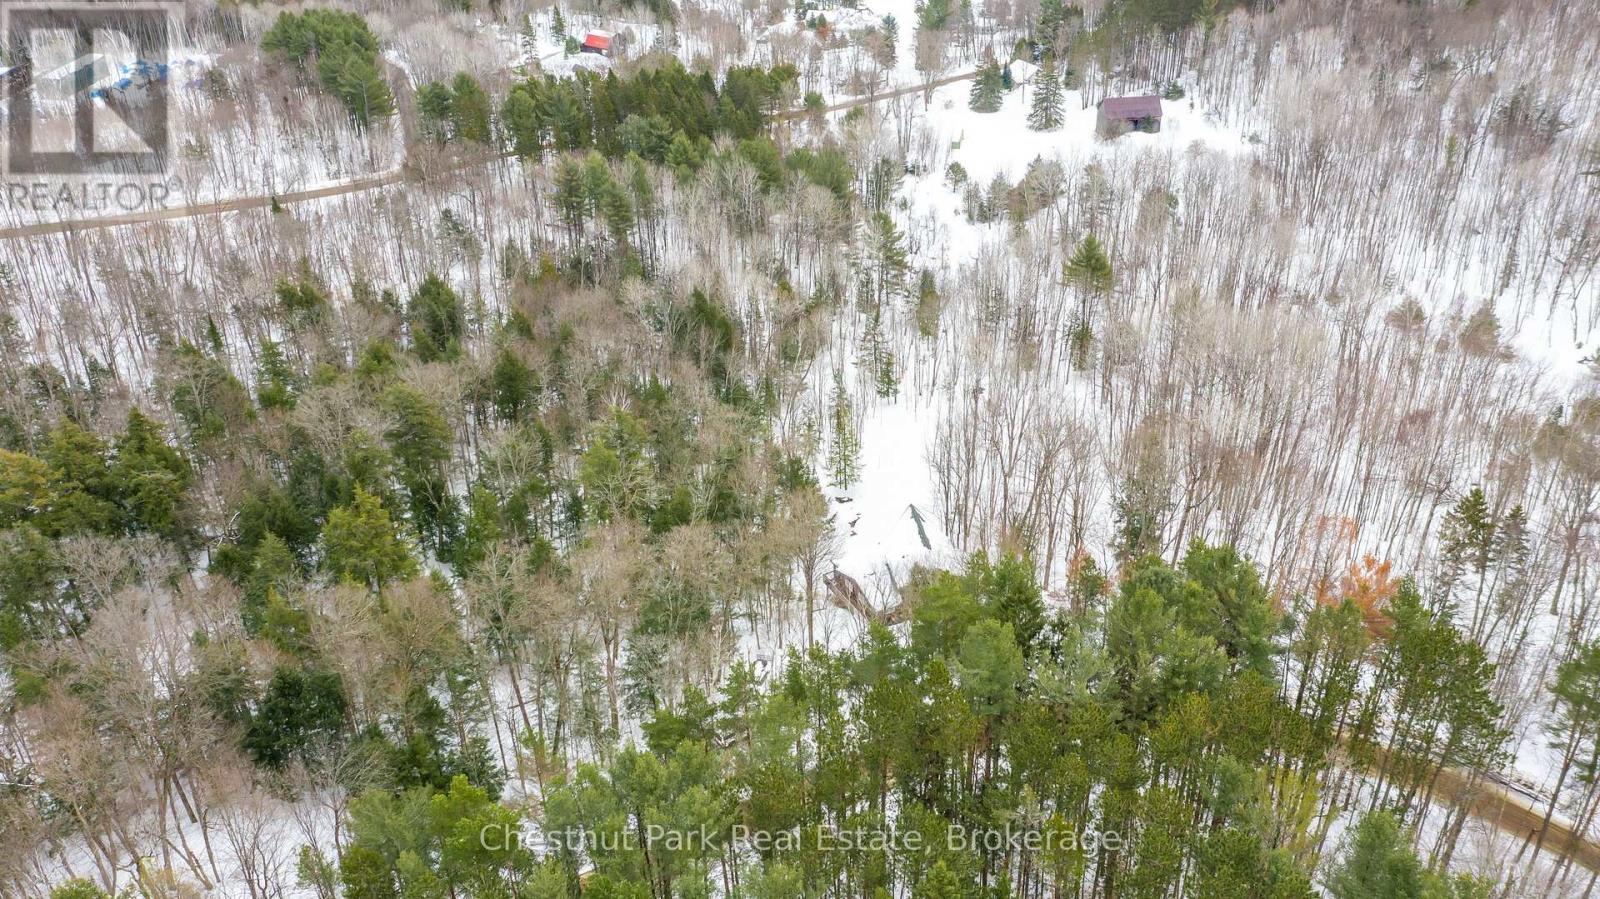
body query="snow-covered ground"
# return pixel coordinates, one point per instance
(876, 516)
(1547, 350)
(897, 436)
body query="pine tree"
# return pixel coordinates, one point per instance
(274, 569)
(1046, 114)
(1011, 594)
(433, 109)
(990, 666)
(1052, 13)
(1467, 535)
(82, 492)
(530, 34)
(360, 543)
(436, 320)
(988, 89)
(683, 156)
(469, 109)
(78, 888)
(1089, 269)
(419, 435)
(617, 210)
(570, 199)
(844, 452)
(356, 80)
(878, 357)
(1577, 724)
(299, 709)
(1511, 541)
(1378, 863)
(933, 15)
(275, 382)
(27, 489)
(153, 477)
(886, 257)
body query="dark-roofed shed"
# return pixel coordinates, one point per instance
(1119, 114)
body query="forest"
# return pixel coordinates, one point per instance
(798, 452)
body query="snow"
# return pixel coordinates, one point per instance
(881, 540)
(839, 19)
(1555, 347)
(896, 436)
(562, 65)
(987, 144)
(1022, 71)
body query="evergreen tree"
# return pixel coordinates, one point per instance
(78, 888)
(298, 709)
(1467, 536)
(684, 155)
(939, 883)
(571, 197)
(275, 380)
(933, 15)
(346, 54)
(990, 666)
(617, 210)
(525, 124)
(988, 88)
(275, 568)
(1577, 724)
(360, 543)
(469, 109)
(1510, 550)
(1089, 269)
(436, 320)
(886, 257)
(1377, 863)
(1052, 14)
(153, 477)
(206, 396)
(1046, 113)
(83, 493)
(433, 109)
(27, 489)
(419, 435)
(844, 450)
(513, 386)
(356, 80)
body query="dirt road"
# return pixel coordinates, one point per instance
(354, 185)
(876, 98)
(1512, 815)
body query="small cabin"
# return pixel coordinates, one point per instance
(597, 42)
(1122, 114)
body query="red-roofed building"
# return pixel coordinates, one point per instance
(597, 42)
(1119, 114)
